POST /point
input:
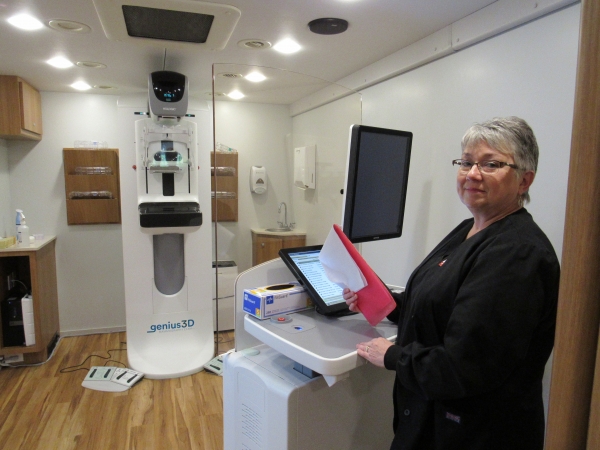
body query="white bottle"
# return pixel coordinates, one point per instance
(23, 234)
(18, 221)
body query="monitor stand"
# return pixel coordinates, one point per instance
(342, 313)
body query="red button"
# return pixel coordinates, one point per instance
(281, 319)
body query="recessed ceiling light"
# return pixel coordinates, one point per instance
(287, 46)
(254, 44)
(69, 26)
(59, 62)
(25, 22)
(90, 65)
(236, 95)
(255, 77)
(81, 86)
(104, 87)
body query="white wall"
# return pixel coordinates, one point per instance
(528, 72)
(327, 127)
(89, 258)
(266, 135)
(258, 132)
(7, 222)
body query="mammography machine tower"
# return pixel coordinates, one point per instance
(168, 309)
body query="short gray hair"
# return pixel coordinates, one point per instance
(511, 136)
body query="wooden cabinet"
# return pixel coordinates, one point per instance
(35, 266)
(224, 187)
(92, 186)
(20, 109)
(266, 245)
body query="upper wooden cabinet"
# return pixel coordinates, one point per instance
(20, 109)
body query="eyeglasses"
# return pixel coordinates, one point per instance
(489, 167)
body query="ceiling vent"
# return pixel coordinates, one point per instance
(231, 75)
(168, 22)
(254, 44)
(69, 26)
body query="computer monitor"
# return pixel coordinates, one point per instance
(305, 265)
(376, 183)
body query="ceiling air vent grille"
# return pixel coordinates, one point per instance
(167, 25)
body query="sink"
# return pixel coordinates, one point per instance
(278, 230)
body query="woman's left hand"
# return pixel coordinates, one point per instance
(374, 351)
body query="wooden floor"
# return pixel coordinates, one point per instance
(42, 408)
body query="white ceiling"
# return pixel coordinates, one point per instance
(377, 28)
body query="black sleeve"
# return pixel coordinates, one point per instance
(498, 308)
(395, 314)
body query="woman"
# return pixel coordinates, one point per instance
(476, 321)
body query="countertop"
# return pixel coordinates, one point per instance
(35, 245)
(278, 233)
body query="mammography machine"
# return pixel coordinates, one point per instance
(166, 257)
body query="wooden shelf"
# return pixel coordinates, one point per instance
(225, 209)
(87, 211)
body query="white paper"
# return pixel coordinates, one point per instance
(339, 266)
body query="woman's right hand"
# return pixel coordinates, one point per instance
(351, 299)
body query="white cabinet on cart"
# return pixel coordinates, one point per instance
(269, 405)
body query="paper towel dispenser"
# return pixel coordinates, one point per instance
(304, 167)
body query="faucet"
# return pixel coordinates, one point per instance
(284, 224)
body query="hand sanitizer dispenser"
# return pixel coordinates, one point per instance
(258, 179)
(304, 167)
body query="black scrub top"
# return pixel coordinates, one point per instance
(475, 330)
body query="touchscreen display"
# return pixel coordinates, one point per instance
(308, 263)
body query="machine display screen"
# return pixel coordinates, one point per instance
(168, 92)
(304, 263)
(168, 86)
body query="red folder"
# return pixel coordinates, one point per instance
(374, 300)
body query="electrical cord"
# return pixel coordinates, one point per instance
(219, 338)
(24, 285)
(4, 364)
(107, 358)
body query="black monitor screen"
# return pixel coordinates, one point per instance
(376, 183)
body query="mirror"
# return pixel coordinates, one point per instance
(280, 112)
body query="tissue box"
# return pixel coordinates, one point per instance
(267, 301)
(8, 242)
